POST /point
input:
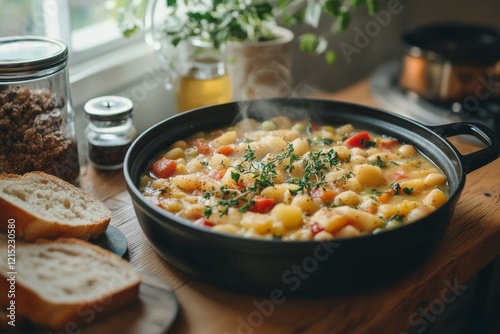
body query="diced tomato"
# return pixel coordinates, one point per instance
(203, 147)
(315, 228)
(218, 174)
(204, 222)
(262, 204)
(387, 142)
(226, 150)
(163, 168)
(358, 140)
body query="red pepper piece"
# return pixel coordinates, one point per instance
(163, 168)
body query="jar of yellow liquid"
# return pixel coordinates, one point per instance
(202, 78)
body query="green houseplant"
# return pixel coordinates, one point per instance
(251, 36)
(248, 21)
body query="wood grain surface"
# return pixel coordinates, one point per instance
(471, 242)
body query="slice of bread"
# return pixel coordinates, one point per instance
(44, 206)
(66, 283)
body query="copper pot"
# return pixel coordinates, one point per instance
(448, 62)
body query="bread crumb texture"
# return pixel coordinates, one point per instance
(70, 273)
(55, 201)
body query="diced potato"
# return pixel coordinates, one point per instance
(349, 198)
(331, 220)
(407, 150)
(278, 229)
(343, 152)
(364, 221)
(406, 206)
(289, 215)
(300, 146)
(159, 184)
(416, 186)
(345, 129)
(305, 203)
(172, 204)
(434, 179)
(302, 234)
(187, 182)
(369, 175)
(348, 231)
(179, 144)
(261, 223)
(277, 192)
(225, 228)
(282, 122)
(193, 211)
(219, 161)
(273, 144)
(323, 235)
(435, 198)
(174, 153)
(353, 184)
(420, 212)
(387, 210)
(194, 165)
(226, 138)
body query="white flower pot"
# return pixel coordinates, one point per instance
(263, 69)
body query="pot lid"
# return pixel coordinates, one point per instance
(455, 42)
(31, 56)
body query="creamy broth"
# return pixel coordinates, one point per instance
(279, 179)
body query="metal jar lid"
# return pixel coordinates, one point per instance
(109, 108)
(30, 57)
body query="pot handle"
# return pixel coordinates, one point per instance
(477, 159)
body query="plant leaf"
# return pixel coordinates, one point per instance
(313, 14)
(330, 57)
(333, 7)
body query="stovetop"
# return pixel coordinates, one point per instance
(388, 94)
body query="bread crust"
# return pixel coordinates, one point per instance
(31, 226)
(61, 316)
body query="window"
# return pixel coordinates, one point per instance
(86, 26)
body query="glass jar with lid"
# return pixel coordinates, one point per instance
(201, 75)
(37, 131)
(110, 131)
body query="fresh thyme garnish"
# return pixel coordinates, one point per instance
(379, 162)
(316, 165)
(408, 191)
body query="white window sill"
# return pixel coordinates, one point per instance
(108, 72)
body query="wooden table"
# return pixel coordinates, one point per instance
(471, 243)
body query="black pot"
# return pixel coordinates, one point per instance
(305, 267)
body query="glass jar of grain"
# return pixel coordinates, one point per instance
(37, 131)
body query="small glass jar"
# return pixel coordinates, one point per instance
(110, 131)
(201, 75)
(37, 131)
